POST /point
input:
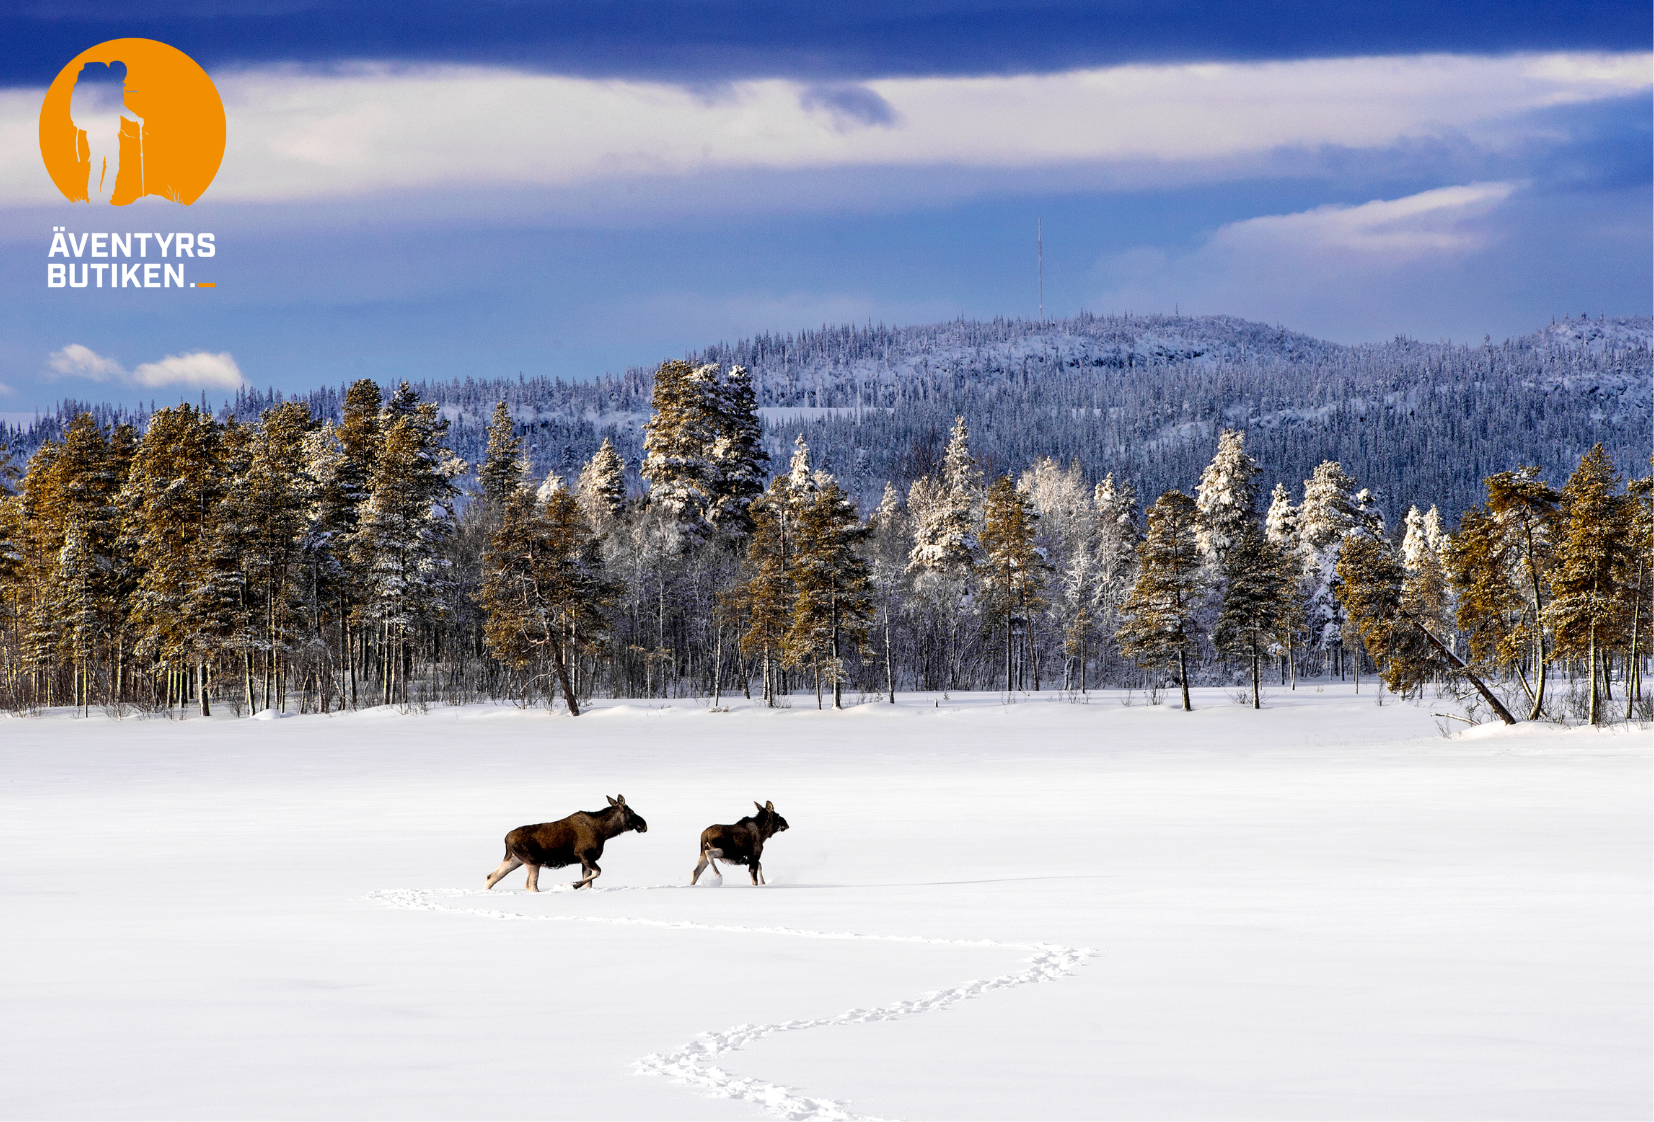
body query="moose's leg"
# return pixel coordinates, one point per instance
(506, 866)
(700, 867)
(592, 873)
(534, 878)
(757, 872)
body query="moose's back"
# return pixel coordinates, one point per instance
(552, 844)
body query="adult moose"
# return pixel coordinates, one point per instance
(579, 837)
(741, 843)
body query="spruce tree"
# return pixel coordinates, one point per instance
(1158, 627)
(738, 459)
(1281, 522)
(948, 511)
(1328, 516)
(1226, 498)
(601, 488)
(1256, 598)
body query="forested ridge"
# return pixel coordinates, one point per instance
(1140, 397)
(360, 548)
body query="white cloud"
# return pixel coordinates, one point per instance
(76, 361)
(1338, 271)
(198, 370)
(368, 130)
(1384, 230)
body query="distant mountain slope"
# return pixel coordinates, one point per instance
(1142, 397)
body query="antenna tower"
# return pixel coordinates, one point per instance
(1039, 242)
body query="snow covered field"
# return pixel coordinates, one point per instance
(1324, 910)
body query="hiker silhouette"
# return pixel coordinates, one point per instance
(97, 104)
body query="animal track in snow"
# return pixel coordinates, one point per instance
(693, 1063)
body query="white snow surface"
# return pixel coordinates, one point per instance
(1044, 909)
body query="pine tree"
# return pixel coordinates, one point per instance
(545, 591)
(1371, 587)
(324, 555)
(1012, 570)
(403, 524)
(1158, 628)
(1634, 580)
(833, 601)
(501, 468)
(263, 519)
(1256, 598)
(76, 610)
(1588, 612)
(1500, 566)
(359, 434)
(171, 497)
(678, 441)
(1226, 498)
(766, 594)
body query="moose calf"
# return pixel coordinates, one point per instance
(741, 843)
(579, 837)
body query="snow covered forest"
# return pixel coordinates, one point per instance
(860, 512)
(1139, 397)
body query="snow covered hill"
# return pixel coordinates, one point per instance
(1143, 397)
(1321, 910)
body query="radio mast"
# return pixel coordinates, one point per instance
(1039, 243)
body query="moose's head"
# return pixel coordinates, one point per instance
(769, 819)
(629, 819)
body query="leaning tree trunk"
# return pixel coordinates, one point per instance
(561, 666)
(1458, 664)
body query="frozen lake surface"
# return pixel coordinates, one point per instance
(1041, 910)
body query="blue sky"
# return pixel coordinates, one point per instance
(424, 190)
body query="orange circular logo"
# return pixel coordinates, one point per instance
(129, 118)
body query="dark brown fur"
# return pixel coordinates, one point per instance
(577, 838)
(741, 843)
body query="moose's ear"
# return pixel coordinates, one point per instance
(611, 801)
(769, 806)
(620, 800)
(760, 809)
